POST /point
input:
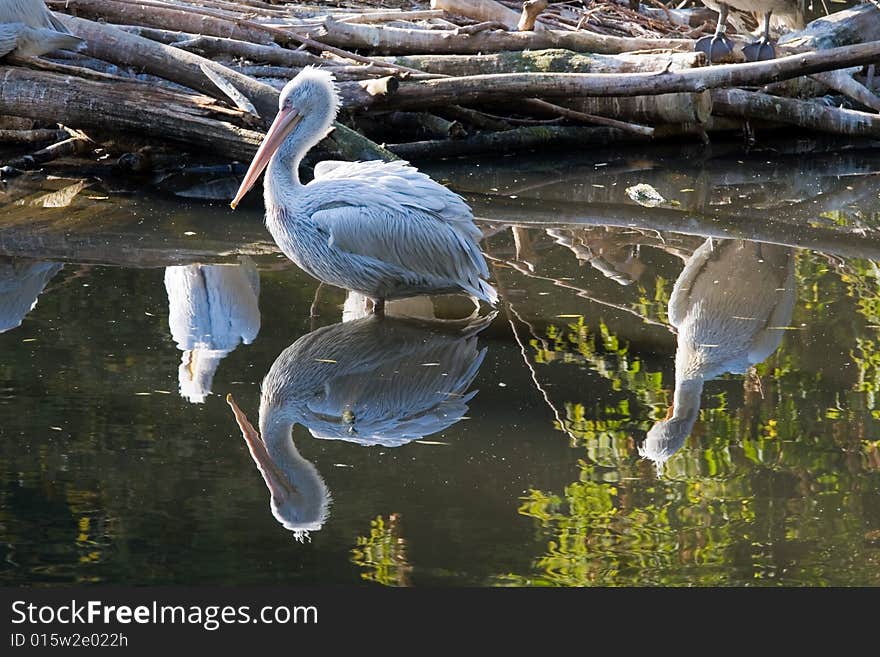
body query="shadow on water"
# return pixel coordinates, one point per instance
(714, 314)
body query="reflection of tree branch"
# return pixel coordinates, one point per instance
(511, 313)
(510, 310)
(580, 292)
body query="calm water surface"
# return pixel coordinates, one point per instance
(530, 448)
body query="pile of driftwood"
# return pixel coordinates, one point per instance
(449, 77)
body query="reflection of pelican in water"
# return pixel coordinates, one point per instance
(730, 305)
(369, 381)
(212, 309)
(21, 282)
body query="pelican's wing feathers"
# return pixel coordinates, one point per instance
(680, 299)
(434, 223)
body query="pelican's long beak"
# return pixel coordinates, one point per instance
(285, 121)
(278, 484)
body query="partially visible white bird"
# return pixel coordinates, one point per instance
(29, 29)
(211, 310)
(787, 13)
(731, 305)
(366, 381)
(383, 229)
(21, 282)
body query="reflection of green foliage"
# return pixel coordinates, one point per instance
(605, 354)
(654, 305)
(775, 485)
(382, 554)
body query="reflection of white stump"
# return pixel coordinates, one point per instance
(21, 282)
(211, 310)
(356, 307)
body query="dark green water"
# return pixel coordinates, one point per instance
(108, 474)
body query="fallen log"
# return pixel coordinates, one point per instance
(211, 45)
(74, 145)
(662, 108)
(401, 41)
(168, 17)
(282, 35)
(804, 114)
(512, 86)
(422, 124)
(120, 47)
(31, 136)
(549, 61)
(509, 141)
(128, 107)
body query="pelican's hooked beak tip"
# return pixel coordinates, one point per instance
(233, 204)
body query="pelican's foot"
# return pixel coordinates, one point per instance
(379, 307)
(759, 51)
(716, 46)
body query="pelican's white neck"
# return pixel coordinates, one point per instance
(282, 173)
(686, 399)
(300, 498)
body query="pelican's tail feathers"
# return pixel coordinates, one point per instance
(488, 293)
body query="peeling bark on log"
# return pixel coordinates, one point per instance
(549, 61)
(806, 114)
(402, 41)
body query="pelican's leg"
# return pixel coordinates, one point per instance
(379, 307)
(313, 309)
(717, 45)
(761, 49)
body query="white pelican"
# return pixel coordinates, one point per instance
(383, 229)
(786, 12)
(731, 304)
(21, 282)
(211, 310)
(29, 29)
(367, 381)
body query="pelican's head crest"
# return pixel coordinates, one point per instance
(313, 90)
